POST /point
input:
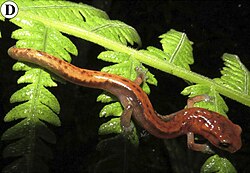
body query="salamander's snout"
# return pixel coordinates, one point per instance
(232, 141)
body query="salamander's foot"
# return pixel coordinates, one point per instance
(128, 131)
(197, 147)
(192, 100)
(141, 75)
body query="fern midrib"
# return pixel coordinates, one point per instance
(148, 59)
(33, 118)
(178, 48)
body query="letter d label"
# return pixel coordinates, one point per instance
(9, 9)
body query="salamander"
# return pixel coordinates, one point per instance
(217, 129)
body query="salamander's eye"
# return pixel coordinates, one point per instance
(224, 144)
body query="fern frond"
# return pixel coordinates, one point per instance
(63, 10)
(217, 164)
(38, 36)
(70, 18)
(39, 105)
(216, 103)
(178, 47)
(235, 75)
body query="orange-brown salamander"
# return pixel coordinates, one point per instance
(217, 129)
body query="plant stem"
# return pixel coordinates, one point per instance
(143, 57)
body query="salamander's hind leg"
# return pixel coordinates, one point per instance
(126, 124)
(191, 101)
(197, 147)
(166, 117)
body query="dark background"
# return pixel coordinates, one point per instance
(215, 27)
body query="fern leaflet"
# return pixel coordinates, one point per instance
(235, 75)
(63, 15)
(217, 164)
(216, 102)
(177, 49)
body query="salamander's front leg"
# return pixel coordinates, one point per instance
(197, 147)
(141, 75)
(191, 101)
(190, 136)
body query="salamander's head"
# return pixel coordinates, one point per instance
(222, 132)
(229, 139)
(219, 130)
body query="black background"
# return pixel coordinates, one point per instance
(215, 27)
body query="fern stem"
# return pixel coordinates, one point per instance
(150, 60)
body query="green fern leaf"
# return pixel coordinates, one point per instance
(157, 52)
(114, 30)
(62, 10)
(217, 164)
(22, 129)
(19, 66)
(45, 97)
(28, 109)
(216, 103)
(37, 75)
(178, 47)
(234, 75)
(113, 126)
(113, 109)
(38, 35)
(177, 50)
(77, 17)
(114, 57)
(106, 97)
